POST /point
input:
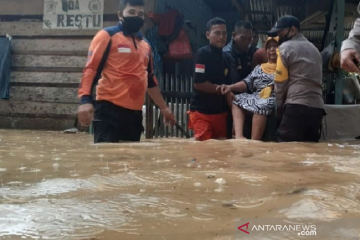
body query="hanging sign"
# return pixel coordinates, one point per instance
(73, 14)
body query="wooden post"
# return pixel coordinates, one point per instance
(167, 88)
(182, 102)
(340, 14)
(149, 131)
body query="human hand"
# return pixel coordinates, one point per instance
(85, 114)
(348, 59)
(169, 117)
(225, 89)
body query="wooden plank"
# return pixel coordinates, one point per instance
(45, 77)
(50, 45)
(47, 53)
(39, 18)
(45, 84)
(48, 61)
(172, 88)
(36, 7)
(182, 102)
(167, 88)
(37, 109)
(177, 89)
(48, 69)
(315, 17)
(149, 130)
(36, 28)
(53, 124)
(187, 100)
(44, 94)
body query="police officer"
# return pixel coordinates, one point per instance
(298, 84)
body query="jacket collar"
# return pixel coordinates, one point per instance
(230, 48)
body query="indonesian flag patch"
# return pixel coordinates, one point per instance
(200, 68)
(124, 49)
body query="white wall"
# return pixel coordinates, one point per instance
(194, 10)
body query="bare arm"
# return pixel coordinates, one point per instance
(350, 50)
(155, 94)
(239, 87)
(157, 97)
(207, 87)
(353, 41)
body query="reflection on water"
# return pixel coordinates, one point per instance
(56, 186)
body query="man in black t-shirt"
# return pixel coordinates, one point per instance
(208, 109)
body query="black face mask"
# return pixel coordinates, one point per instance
(132, 24)
(285, 38)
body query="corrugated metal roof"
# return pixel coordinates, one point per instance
(312, 14)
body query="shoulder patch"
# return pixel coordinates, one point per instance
(200, 68)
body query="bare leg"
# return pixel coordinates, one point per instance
(258, 126)
(239, 119)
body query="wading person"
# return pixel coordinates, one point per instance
(208, 108)
(123, 59)
(240, 53)
(257, 96)
(298, 84)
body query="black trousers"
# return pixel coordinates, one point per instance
(300, 123)
(113, 123)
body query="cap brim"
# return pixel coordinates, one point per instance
(273, 32)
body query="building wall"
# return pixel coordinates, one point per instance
(194, 10)
(46, 66)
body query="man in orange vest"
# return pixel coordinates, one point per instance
(127, 74)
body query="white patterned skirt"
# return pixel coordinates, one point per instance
(252, 102)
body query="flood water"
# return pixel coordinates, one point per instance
(59, 186)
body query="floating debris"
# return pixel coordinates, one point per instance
(71, 131)
(297, 191)
(228, 205)
(210, 175)
(220, 181)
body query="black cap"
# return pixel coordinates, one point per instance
(284, 22)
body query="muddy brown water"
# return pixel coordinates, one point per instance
(59, 186)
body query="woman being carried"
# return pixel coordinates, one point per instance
(257, 95)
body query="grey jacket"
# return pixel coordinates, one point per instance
(353, 42)
(298, 78)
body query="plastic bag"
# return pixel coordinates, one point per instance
(180, 48)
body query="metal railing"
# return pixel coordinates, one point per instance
(177, 91)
